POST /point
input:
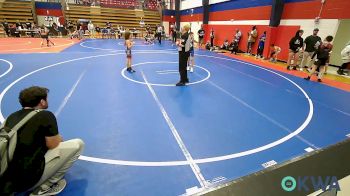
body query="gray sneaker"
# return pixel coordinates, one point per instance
(50, 190)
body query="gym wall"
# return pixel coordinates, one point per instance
(226, 16)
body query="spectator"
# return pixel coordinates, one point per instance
(201, 33)
(6, 27)
(173, 33)
(225, 45)
(91, 29)
(295, 44)
(233, 47)
(98, 31)
(311, 43)
(208, 45)
(260, 51)
(41, 158)
(212, 35)
(252, 35)
(237, 37)
(345, 56)
(159, 30)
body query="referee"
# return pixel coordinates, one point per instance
(184, 52)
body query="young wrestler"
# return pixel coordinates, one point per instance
(45, 37)
(274, 51)
(322, 58)
(128, 43)
(190, 62)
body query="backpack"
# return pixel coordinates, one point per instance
(8, 140)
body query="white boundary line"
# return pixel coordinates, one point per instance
(166, 85)
(178, 163)
(169, 70)
(186, 153)
(143, 45)
(57, 113)
(8, 70)
(273, 121)
(82, 44)
(2, 94)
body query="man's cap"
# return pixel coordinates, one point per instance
(316, 29)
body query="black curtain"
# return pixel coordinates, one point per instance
(177, 14)
(206, 7)
(276, 12)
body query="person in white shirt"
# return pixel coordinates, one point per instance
(91, 29)
(159, 33)
(345, 57)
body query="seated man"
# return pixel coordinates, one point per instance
(345, 56)
(41, 158)
(208, 45)
(149, 38)
(75, 34)
(225, 45)
(104, 32)
(233, 47)
(111, 34)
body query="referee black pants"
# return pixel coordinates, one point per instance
(183, 57)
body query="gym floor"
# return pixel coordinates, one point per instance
(146, 136)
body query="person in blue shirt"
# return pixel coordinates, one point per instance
(259, 53)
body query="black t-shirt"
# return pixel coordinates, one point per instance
(19, 25)
(312, 43)
(201, 33)
(296, 43)
(28, 163)
(29, 25)
(5, 25)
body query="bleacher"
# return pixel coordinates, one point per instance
(128, 18)
(151, 4)
(2, 31)
(130, 4)
(14, 11)
(125, 15)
